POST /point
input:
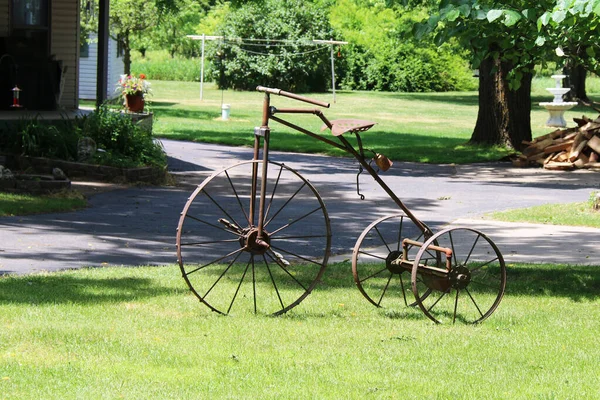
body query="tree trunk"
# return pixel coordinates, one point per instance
(504, 116)
(126, 46)
(575, 80)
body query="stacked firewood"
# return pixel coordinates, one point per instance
(565, 149)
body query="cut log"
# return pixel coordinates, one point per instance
(575, 152)
(559, 147)
(563, 166)
(581, 161)
(594, 165)
(594, 144)
(594, 157)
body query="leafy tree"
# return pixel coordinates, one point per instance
(129, 17)
(383, 55)
(270, 43)
(502, 41)
(572, 26)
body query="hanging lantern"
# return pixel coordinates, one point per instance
(16, 92)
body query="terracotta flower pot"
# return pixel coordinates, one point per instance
(135, 102)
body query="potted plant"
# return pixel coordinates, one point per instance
(134, 90)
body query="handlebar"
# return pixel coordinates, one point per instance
(290, 95)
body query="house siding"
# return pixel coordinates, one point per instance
(88, 71)
(64, 46)
(4, 17)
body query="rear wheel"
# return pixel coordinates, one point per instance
(468, 286)
(381, 282)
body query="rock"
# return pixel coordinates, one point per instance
(58, 174)
(6, 173)
(86, 148)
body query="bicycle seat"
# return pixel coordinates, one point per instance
(341, 126)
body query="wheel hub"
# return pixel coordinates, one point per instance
(460, 277)
(250, 242)
(394, 268)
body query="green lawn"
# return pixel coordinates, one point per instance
(572, 214)
(138, 333)
(422, 127)
(22, 204)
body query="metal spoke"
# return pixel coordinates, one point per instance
(238, 288)
(472, 248)
(221, 276)
(285, 204)
(474, 302)
(295, 255)
(372, 255)
(385, 289)
(210, 242)
(296, 220)
(219, 227)
(382, 239)
(437, 301)
(452, 247)
(297, 237)
(188, 273)
(375, 274)
(274, 190)
(484, 264)
(273, 281)
(285, 269)
(238, 198)
(220, 208)
(455, 306)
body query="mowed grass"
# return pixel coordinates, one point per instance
(572, 214)
(23, 204)
(420, 127)
(138, 333)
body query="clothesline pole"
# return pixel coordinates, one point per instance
(203, 38)
(332, 43)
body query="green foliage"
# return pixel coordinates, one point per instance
(383, 54)
(159, 65)
(124, 143)
(279, 52)
(571, 26)
(506, 32)
(36, 138)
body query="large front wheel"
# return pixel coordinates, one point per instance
(222, 258)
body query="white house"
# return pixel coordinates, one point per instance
(88, 59)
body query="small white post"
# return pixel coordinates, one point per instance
(202, 69)
(332, 72)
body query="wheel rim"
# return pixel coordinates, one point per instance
(474, 286)
(382, 283)
(217, 250)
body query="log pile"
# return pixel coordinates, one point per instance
(565, 149)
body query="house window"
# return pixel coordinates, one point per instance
(30, 13)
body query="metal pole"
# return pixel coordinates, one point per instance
(332, 74)
(202, 68)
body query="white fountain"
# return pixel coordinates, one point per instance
(557, 106)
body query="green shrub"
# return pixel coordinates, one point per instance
(36, 138)
(293, 65)
(159, 65)
(123, 143)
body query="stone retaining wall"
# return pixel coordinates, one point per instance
(82, 170)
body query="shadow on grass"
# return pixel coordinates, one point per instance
(61, 288)
(578, 283)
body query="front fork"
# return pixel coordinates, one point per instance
(263, 132)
